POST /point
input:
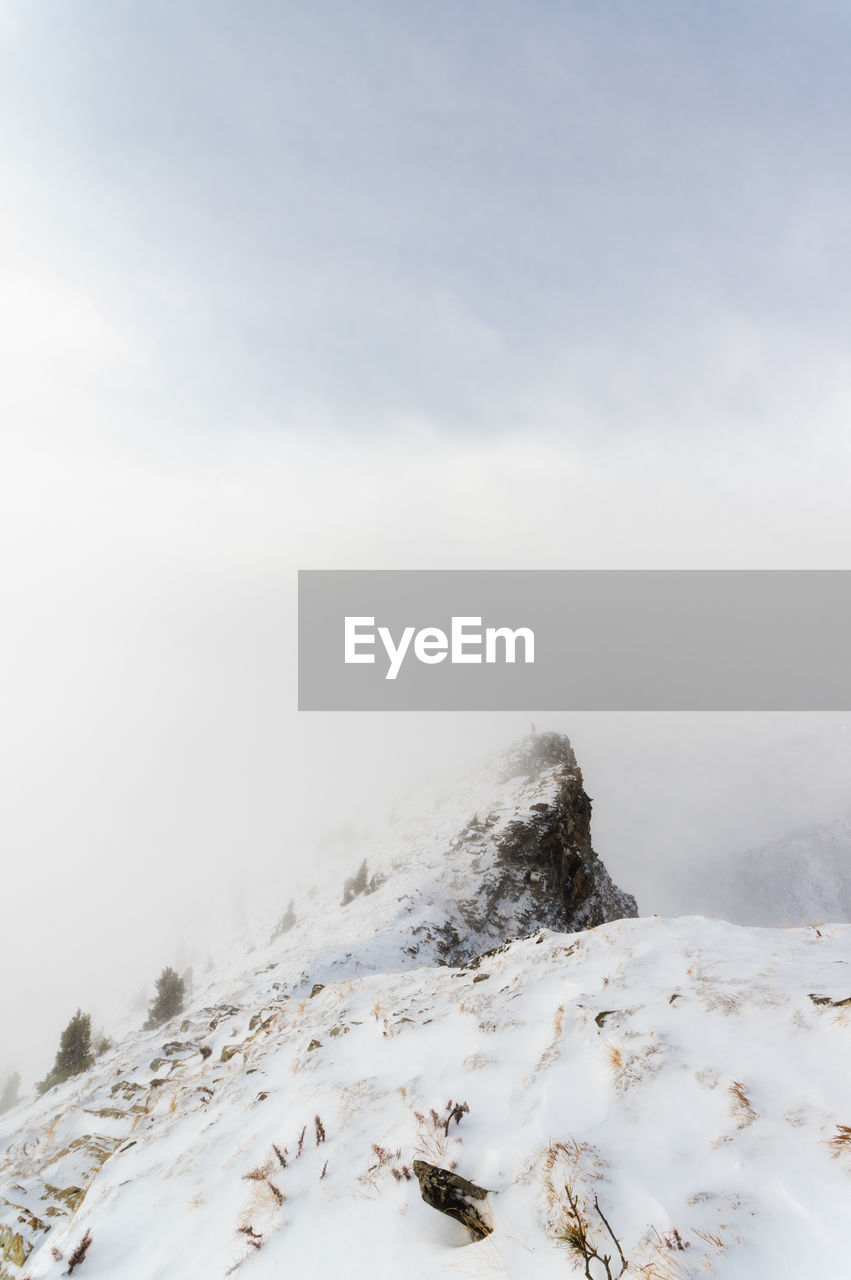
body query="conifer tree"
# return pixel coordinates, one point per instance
(168, 1002)
(74, 1053)
(287, 921)
(356, 884)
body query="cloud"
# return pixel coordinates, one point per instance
(494, 220)
(493, 286)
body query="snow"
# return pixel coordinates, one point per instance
(677, 1070)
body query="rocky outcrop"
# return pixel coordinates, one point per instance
(537, 869)
(47, 1189)
(14, 1249)
(551, 852)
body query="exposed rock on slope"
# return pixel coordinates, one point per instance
(552, 849)
(453, 1195)
(536, 868)
(508, 854)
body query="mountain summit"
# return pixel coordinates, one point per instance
(503, 853)
(529, 863)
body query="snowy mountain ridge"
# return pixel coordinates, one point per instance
(803, 877)
(671, 1094)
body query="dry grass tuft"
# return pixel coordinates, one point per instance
(254, 1238)
(840, 1143)
(277, 1194)
(79, 1253)
(433, 1139)
(551, 1052)
(678, 1255)
(629, 1069)
(741, 1105)
(575, 1217)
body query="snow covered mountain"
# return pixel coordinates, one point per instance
(667, 1094)
(802, 878)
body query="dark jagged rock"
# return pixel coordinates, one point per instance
(539, 870)
(453, 1195)
(833, 1004)
(521, 862)
(551, 853)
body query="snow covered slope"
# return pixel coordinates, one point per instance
(675, 1090)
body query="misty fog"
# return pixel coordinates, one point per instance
(296, 290)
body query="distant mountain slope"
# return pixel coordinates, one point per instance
(801, 879)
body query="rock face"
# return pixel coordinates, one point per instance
(537, 868)
(553, 850)
(14, 1249)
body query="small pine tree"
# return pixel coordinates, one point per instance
(101, 1042)
(356, 884)
(287, 921)
(10, 1096)
(168, 1002)
(74, 1053)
